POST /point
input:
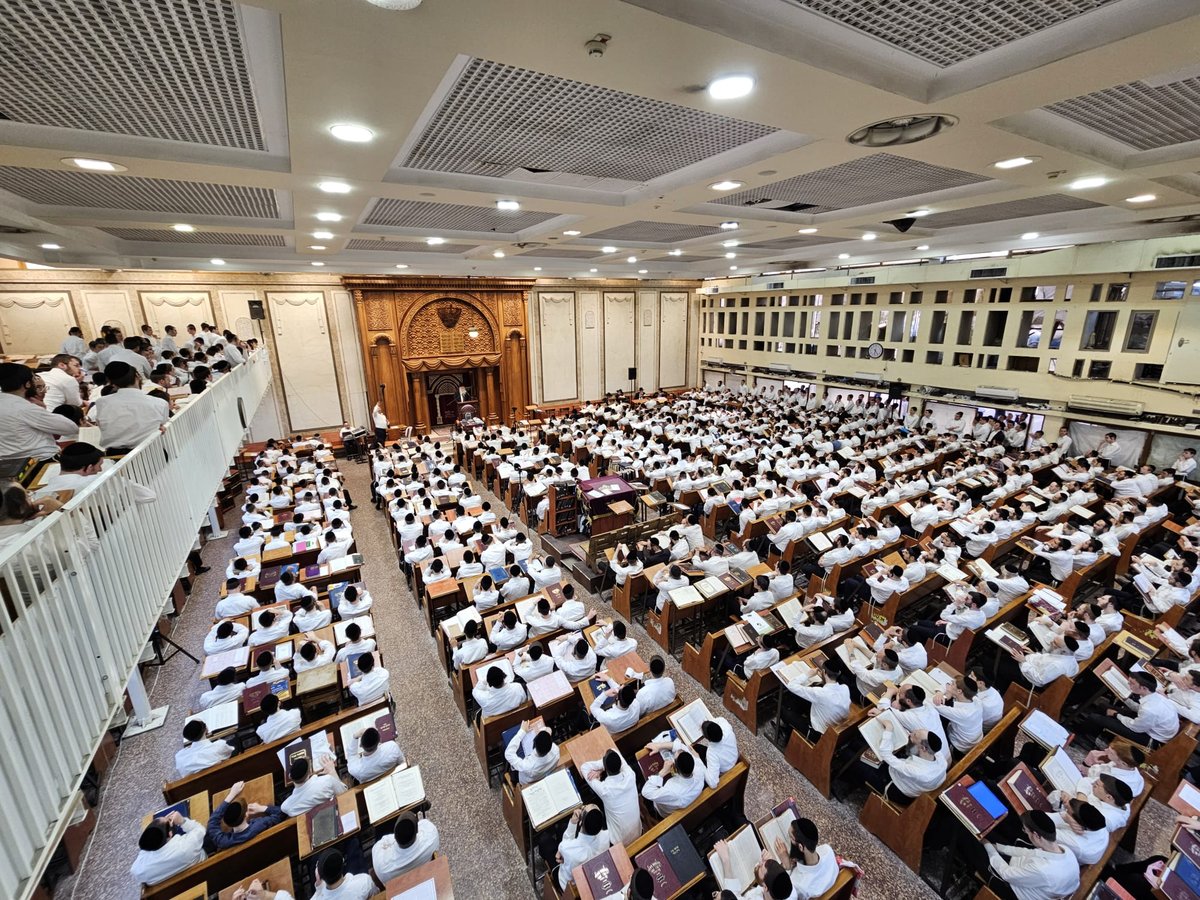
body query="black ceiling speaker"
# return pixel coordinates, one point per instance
(902, 225)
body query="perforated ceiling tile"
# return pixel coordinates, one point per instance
(52, 187)
(223, 238)
(798, 240)
(859, 182)
(451, 217)
(498, 118)
(656, 232)
(563, 254)
(944, 32)
(169, 69)
(1139, 115)
(1012, 209)
(406, 246)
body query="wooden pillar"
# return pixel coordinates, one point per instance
(493, 394)
(420, 403)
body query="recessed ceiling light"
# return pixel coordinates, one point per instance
(923, 247)
(1141, 198)
(317, 262)
(807, 231)
(920, 213)
(1016, 162)
(93, 165)
(593, 270)
(725, 185)
(676, 252)
(50, 246)
(499, 254)
(643, 271)
(843, 256)
(730, 87)
(401, 265)
(316, 246)
(537, 268)
(1092, 181)
(217, 262)
(733, 268)
(334, 187)
(329, 217)
(731, 255)
(182, 227)
(728, 226)
(631, 259)
(434, 241)
(1030, 236)
(572, 233)
(355, 134)
(323, 235)
(508, 205)
(607, 249)
(869, 236)
(729, 243)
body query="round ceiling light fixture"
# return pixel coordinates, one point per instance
(901, 130)
(354, 134)
(730, 87)
(397, 5)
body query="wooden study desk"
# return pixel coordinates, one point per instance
(437, 870)
(347, 804)
(275, 877)
(587, 747)
(198, 810)
(621, 878)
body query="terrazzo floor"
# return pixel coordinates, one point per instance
(484, 860)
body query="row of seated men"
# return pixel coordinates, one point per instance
(254, 737)
(1073, 637)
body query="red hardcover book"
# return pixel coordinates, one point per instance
(324, 823)
(651, 764)
(1024, 791)
(555, 594)
(252, 697)
(601, 874)
(967, 808)
(386, 726)
(654, 860)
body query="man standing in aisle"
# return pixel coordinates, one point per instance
(380, 420)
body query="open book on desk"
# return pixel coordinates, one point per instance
(1044, 730)
(687, 721)
(391, 793)
(1060, 770)
(774, 829)
(550, 797)
(874, 734)
(218, 718)
(744, 855)
(932, 682)
(794, 672)
(381, 722)
(790, 611)
(855, 650)
(1113, 678)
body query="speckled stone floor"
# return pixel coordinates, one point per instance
(484, 861)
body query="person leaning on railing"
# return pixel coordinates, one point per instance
(19, 511)
(26, 428)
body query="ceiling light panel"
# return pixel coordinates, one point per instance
(53, 187)
(1012, 209)
(223, 238)
(879, 178)
(451, 216)
(944, 33)
(497, 119)
(405, 246)
(655, 232)
(172, 71)
(1138, 115)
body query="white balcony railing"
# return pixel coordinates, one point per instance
(79, 595)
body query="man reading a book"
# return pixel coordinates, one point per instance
(1046, 869)
(907, 771)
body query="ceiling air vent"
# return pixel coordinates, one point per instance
(861, 279)
(1178, 262)
(774, 285)
(993, 272)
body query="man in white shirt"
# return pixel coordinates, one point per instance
(676, 785)
(1185, 463)
(584, 838)
(199, 752)
(1040, 669)
(226, 689)
(312, 788)
(904, 778)
(611, 779)
(532, 754)
(412, 842)
(818, 706)
(657, 689)
(494, 694)
(373, 683)
(334, 883)
(374, 757)
(62, 382)
(280, 722)
(128, 416)
(225, 635)
(163, 853)
(1157, 718)
(74, 344)
(1047, 869)
(130, 353)
(27, 429)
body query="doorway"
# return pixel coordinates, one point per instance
(442, 393)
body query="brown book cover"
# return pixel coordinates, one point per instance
(324, 823)
(774, 524)
(252, 696)
(967, 808)
(654, 860)
(651, 764)
(386, 726)
(730, 581)
(555, 594)
(1023, 790)
(602, 875)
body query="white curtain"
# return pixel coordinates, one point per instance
(1164, 448)
(1086, 438)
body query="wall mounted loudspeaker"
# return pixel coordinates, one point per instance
(896, 390)
(256, 309)
(633, 373)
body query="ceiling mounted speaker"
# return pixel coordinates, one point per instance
(395, 4)
(902, 225)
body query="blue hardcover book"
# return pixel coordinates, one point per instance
(499, 575)
(1187, 870)
(294, 568)
(984, 797)
(352, 664)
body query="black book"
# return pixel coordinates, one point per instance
(681, 852)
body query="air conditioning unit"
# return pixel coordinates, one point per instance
(990, 272)
(1106, 405)
(998, 393)
(774, 285)
(779, 367)
(712, 362)
(868, 376)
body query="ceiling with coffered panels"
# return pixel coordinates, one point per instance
(217, 116)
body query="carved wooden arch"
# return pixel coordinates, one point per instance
(382, 340)
(428, 298)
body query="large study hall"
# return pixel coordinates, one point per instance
(599, 450)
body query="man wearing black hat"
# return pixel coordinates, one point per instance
(585, 837)
(80, 463)
(242, 822)
(127, 416)
(412, 842)
(167, 847)
(27, 429)
(1047, 869)
(334, 881)
(612, 780)
(772, 879)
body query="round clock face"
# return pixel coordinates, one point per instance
(875, 350)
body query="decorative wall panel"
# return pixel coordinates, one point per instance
(34, 323)
(178, 308)
(309, 379)
(620, 339)
(111, 308)
(557, 343)
(673, 339)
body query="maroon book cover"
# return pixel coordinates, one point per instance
(386, 726)
(252, 696)
(969, 808)
(1188, 844)
(268, 577)
(730, 581)
(601, 874)
(554, 592)
(651, 764)
(1028, 791)
(654, 860)
(1175, 888)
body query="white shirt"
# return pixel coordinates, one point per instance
(530, 767)
(676, 792)
(914, 775)
(60, 388)
(494, 701)
(279, 724)
(1035, 874)
(371, 687)
(27, 429)
(364, 767)
(619, 795)
(815, 880)
(390, 860)
(214, 644)
(1157, 716)
(352, 887)
(655, 693)
(830, 703)
(128, 417)
(315, 791)
(180, 852)
(199, 755)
